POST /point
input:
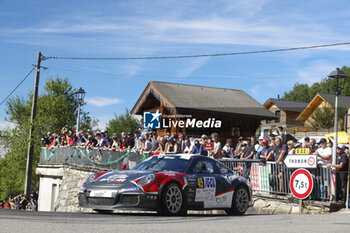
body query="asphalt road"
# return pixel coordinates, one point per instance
(37, 222)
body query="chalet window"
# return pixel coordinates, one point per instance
(266, 133)
(278, 114)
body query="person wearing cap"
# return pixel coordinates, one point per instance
(172, 145)
(324, 152)
(198, 149)
(266, 149)
(324, 157)
(341, 166)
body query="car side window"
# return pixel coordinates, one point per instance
(204, 167)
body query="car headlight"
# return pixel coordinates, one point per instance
(147, 180)
(91, 177)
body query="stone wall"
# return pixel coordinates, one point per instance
(72, 180)
(273, 204)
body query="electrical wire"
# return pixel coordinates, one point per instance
(3, 101)
(199, 55)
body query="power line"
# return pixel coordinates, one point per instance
(17, 86)
(199, 55)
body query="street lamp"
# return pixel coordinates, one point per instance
(337, 74)
(80, 94)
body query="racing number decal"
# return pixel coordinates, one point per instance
(200, 183)
(205, 192)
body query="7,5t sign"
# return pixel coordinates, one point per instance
(301, 183)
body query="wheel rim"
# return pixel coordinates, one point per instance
(173, 199)
(242, 201)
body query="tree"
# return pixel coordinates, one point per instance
(56, 107)
(323, 118)
(122, 123)
(305, 93)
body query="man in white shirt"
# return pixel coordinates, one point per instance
(324, 152)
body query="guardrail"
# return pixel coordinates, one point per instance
(272, 178)
(268, 178)
(100, 158)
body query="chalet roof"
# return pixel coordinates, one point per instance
(193, 97)
(286, 105)
(343, 102)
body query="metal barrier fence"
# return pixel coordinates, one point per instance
(269, 178)
(100, 158)
(272, 178)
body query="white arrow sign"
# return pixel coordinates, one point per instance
(301, 161)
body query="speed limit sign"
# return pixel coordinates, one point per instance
(301, 183)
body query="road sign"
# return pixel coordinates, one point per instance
(302, 151)
(301, 183)
(300, 161)
(208, 146)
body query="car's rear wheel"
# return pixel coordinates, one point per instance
(172, 201)
(103, 211)
(240, 201)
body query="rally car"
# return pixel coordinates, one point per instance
(170, 185)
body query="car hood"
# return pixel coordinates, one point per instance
(120, 177)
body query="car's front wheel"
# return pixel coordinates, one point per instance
(172, 201)
(240, 201)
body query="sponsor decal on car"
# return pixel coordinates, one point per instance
(205, 192)
(101, 193)
(117, 178)
(224, 199)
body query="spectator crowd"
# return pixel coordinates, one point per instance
(21, 202)
(273, 149)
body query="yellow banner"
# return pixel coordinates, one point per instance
(302, 151)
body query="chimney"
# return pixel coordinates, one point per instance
(278, 97)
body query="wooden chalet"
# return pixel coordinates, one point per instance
(239, 113)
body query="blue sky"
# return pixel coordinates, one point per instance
(156, 28)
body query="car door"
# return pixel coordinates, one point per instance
(206, 184)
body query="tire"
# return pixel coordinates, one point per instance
(173, 201)
(103, 211)
(240, 201)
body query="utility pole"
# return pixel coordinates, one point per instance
(29, 167)
(336, 74)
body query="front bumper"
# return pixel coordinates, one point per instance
(119, 200)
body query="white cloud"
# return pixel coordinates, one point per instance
(315, 71)
(192, 66)
(100, 101)
(6, 125)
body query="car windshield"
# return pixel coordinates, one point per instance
(166, 163)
